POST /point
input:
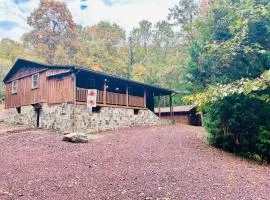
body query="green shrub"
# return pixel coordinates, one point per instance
(263, 142)
(239, 124)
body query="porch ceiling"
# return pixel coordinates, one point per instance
(82, 72)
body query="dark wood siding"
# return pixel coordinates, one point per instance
(189, 118)
(24, 72)
(53, 90)
(60, 90)
(179, 119)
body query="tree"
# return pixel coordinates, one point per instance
(164, 37)
(131, 55)
(247, 87)
(5, 65)
(183, 15)
(53, 26)
(227, 58)
(239, 49)
(10, 51)
(143, 34)
(103, 45)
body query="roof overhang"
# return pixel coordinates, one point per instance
(157, 90)
(76, 69)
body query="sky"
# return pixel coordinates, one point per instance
(126, 13)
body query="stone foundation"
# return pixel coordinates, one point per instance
(56, 117)
(112, 118)
(65, 118)
(27, 116)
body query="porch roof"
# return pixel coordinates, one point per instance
(157, 90)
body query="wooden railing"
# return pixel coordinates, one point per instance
(112, 98)
(135, 101)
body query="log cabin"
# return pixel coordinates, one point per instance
(55, 97)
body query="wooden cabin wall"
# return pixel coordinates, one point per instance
(60, 90)
(50, 91)
(25, 71)
(183, 118)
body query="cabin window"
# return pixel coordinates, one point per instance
(14, 86)
(35, 81)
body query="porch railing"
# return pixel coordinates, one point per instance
(112, 98)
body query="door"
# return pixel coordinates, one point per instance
(38, 116)
(37, 108)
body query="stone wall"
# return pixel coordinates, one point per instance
(56, 117)
(27, 116)
(109, 118)
(61, 118)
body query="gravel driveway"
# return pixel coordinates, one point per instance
(169, 162)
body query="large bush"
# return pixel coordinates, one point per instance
(232, 45)
(240, 124)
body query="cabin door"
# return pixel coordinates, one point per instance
(38, 108)
(38, 116)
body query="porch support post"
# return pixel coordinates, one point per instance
(171, 111)
(144, 98)
(104, 93)
(159, 105)
(74, 101)
(127, 96)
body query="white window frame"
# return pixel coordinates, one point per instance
(37, 84)
(14, 87)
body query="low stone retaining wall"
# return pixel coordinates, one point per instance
(55, 117)
(108, 118)
(58, 117)
(65, 118)
(27, 116)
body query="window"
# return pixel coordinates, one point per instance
(14, 87)
(35, 81)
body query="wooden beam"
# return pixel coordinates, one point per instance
(74, 101)
(127, 96)
(171, 105)
(159, 106)
(144, 98)
(115, 106)
(104, 93)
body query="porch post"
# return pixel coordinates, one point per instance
(74, 101)
(144, 98)
(159, 105)
(127, 96)
(104, 93)
(171, 111)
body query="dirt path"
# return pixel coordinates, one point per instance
(170, 162)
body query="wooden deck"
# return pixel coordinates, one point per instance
(112, 98)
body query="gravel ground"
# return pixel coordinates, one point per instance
(169, 162)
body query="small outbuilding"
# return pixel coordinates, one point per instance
(186, 114)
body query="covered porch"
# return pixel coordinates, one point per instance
(114, 91)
